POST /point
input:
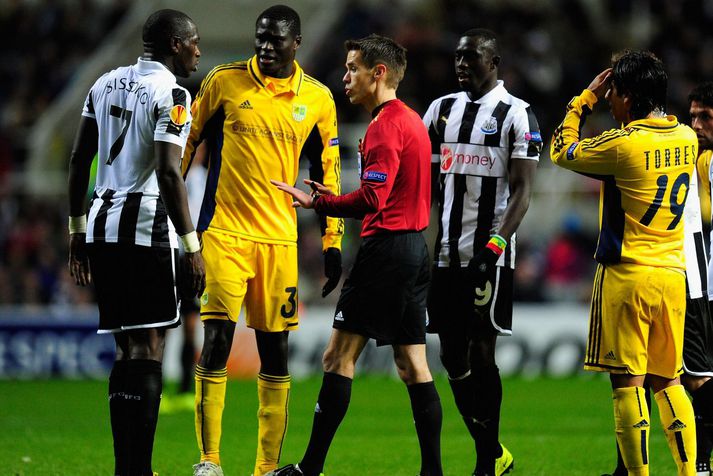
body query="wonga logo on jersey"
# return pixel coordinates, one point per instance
(446, 157)
(178, 115)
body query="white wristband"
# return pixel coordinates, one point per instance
(190, 242)
(78, 224)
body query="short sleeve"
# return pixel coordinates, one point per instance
(173, 113)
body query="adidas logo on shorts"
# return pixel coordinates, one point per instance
(245, 105)
(339, 316)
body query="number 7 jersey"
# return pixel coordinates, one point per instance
(134, 106)
(645, 169)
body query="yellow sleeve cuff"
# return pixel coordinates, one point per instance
(331, 241)
(588, 98)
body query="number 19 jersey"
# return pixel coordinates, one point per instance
(134, 106)
(645, 169)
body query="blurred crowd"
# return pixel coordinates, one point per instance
(550, 49)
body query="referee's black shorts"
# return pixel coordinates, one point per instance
(384, 297)
(135, 286)
(698, 338)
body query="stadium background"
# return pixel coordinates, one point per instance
(550, 49)
(53, 51)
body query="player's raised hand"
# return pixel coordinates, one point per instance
(601, 83)
(78, 260)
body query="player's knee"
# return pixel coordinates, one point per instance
(334, 362)
(215, 352)
(455, 365)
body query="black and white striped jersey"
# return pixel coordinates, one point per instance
(694, 246)
(134, 106)
(474, 142)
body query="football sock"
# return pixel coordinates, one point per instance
(428, 416)
(463, 394)
(273, 396)
(332, 404)
(188, 355)
(210, 401)
(632, 424)
(145, 385)
(620, 469)
(118, 417)
(679, 426)
(485, 423)
(702, 400)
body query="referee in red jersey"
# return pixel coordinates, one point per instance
(384, 297)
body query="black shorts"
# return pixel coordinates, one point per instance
(135, 285)
(698, 338)
(384, 297)
(452, 303)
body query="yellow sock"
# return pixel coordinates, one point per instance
(632, 423)
(210, 401)
(679, 425)
(273, 394)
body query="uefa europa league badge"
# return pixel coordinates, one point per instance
(299, 112)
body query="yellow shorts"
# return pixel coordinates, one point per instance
(264, 275)
(636, 320)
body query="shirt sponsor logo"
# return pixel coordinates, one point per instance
(533, 136)
(334, 141)
(448, 159)
(490, 126)
(570, 151)
(178, 115)
(299, 112)
(265, 133)
(372, 176)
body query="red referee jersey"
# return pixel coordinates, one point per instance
(395, 192)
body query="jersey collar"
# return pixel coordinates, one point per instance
(490, 95)
(656, 123)
(147, 66)
(265, 82)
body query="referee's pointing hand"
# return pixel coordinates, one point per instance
(303, 199)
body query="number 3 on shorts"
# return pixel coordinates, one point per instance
(291, 301)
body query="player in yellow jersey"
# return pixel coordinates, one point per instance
(257, 117)
(638, 302)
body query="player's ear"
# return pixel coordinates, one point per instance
(495, 61)
(380, 71)
(298, 41)
(175, 44)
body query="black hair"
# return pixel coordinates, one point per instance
(162, 26)
(487, 38)
(641, 76)
(283, 13)
(703, 93)
(377, 49)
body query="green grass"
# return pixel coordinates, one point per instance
(552, 426)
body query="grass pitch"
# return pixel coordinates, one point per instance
(552, 426)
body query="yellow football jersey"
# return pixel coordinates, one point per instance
(645, 169)
(255, 128)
